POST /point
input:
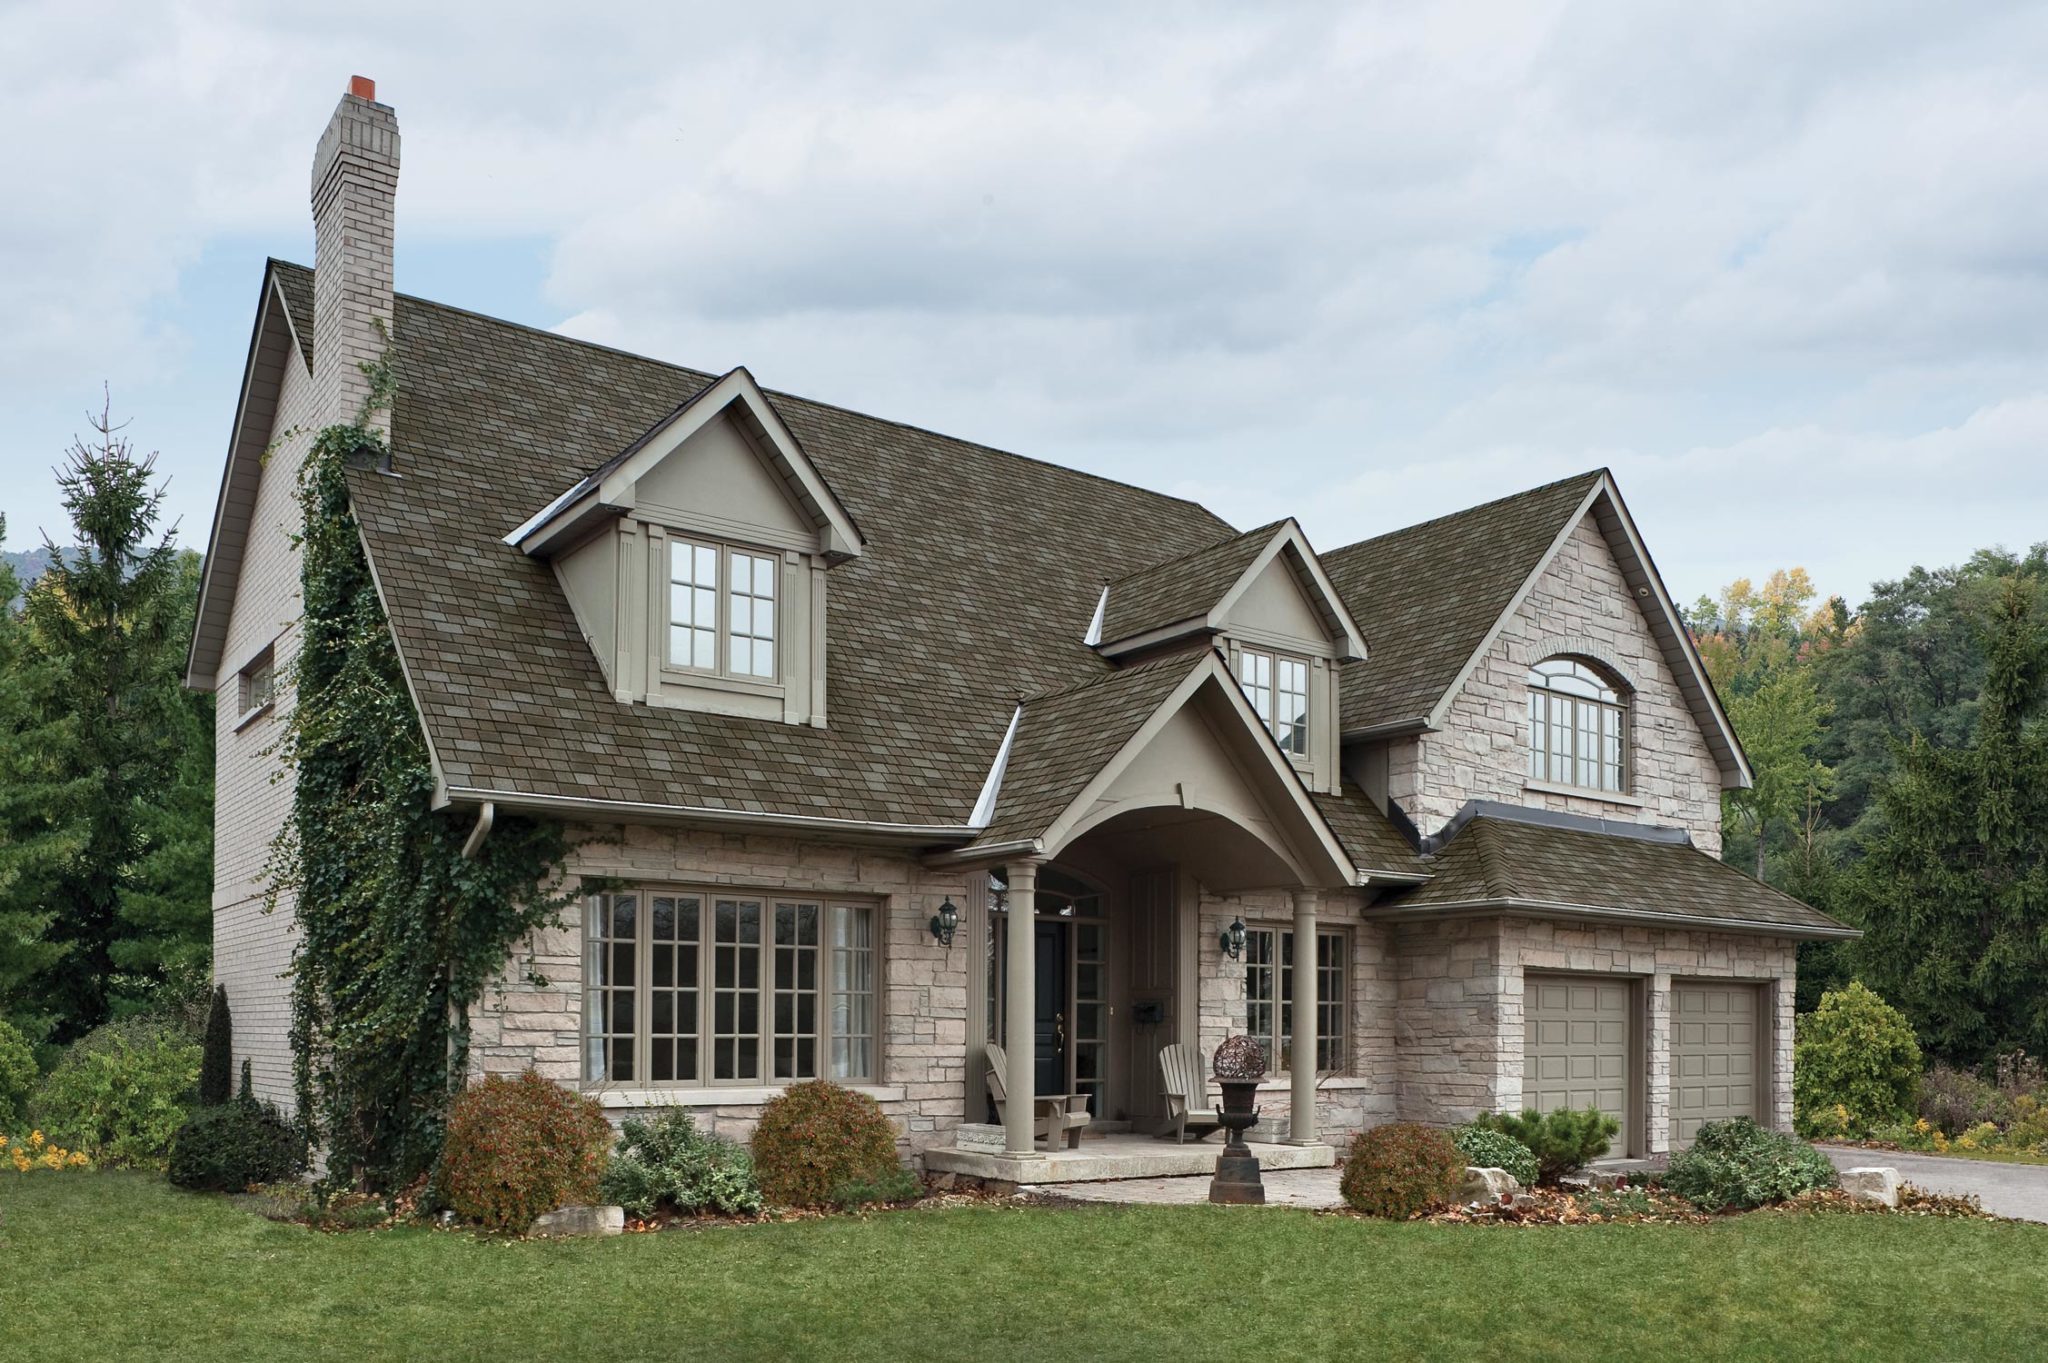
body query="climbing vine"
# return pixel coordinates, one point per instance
(398, 933)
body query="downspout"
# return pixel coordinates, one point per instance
(484, 819)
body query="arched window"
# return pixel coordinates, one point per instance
(1578, 726)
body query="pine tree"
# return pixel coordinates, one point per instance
(104, 633)
(32, 847)
(1953, 890)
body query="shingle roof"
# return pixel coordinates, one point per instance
(1065, 737)
(1369, 837)
(1426, 596)
(296, 284)
(1182, 587)
(1493, 860)
(981, 573)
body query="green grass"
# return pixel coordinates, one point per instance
(109, 1267)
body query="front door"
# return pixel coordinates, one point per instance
(1050, 1018)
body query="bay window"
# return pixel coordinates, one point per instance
(1269, 964)
(701, 987)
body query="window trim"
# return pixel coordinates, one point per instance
(765, 1033)
(1277, 659)
(247, 706)
(1282, 994)
(1622, 707)
(721, 675)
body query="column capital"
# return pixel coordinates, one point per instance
(1306, 898)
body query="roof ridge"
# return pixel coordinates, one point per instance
(1385, 535)
(782, 393)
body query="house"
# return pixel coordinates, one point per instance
(1433, 815)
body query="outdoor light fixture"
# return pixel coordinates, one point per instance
(1232, 940)
(944, 921)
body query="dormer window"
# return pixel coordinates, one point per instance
(1578, 726)
(745, 646)
(1277, 686)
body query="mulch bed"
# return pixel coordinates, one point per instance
(1654, 1206)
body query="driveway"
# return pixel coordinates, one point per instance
(2016, 1190)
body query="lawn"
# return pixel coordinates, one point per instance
(108, 1267)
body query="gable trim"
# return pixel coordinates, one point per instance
(1302, 559)
(984, 811)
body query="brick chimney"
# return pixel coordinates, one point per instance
(355, 186)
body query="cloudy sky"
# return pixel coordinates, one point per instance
(1783, 266)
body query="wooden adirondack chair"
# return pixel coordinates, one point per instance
(1184, 1071)
(1054, 1116)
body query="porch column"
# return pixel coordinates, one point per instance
(1020, 1015)
(1302, 1065)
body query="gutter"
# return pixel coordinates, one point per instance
(1593, 913)
(557, 805)
(473, 844)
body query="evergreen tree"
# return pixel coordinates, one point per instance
(1953, 890)
(104, 634)
(32, 846)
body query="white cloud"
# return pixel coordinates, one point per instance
(1783, 267)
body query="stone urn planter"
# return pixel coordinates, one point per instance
(1240, 1064)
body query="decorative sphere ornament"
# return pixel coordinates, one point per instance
(1240, 1057)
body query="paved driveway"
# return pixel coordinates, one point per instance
(2016, 1190)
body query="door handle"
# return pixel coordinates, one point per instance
(1059, 1031)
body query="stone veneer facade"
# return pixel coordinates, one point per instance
(1460, 985)
(1580, 605)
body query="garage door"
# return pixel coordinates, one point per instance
(1716, 1029)
(1575, 1048)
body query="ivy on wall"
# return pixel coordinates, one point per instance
(399, 934)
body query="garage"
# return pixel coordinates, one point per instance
(1716, 1034)
(1577, 1045)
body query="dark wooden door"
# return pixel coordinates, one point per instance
(1049, 1021)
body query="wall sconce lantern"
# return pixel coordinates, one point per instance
(944, 922)
(1231, 939)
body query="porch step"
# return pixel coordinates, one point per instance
(1120, 1156)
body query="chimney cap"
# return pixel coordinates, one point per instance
(362, 87)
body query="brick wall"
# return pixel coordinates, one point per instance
(1581, 604)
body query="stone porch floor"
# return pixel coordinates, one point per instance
(1121, 1156)
(1311, 1188)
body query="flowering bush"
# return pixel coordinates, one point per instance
(1400, 1170)
(815, 1138)
(120, 1092)
(34, 1152)
(1485, 1148)
(517, 1148)
(1855, 1065)
(667, 1164)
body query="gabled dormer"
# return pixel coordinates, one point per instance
(696, 560)
(1263, 601)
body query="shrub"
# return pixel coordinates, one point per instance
(226, 1148)
(898, 1185)
(1487, 1148)
(817, 1137)
(517, 1148)
(19, 1074)
(1954, 1100)
(217, 1052)
(1401, 1169)
(120, 1092)
(1857, 1053)
(1563, 1142)
(1737, 1163)
(666, 1164)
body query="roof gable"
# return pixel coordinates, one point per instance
(276, 340)
(1442, 591)
(670, 461)
(1196, 592)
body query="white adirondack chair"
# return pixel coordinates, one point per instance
(1185, 1072)
(1055, 1116)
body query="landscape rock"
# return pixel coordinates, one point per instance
(1487, 1185)
(579, 1220)
(1875, 1183)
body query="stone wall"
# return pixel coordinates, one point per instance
(1581, 605)
(922, 995)
(1363, 1095)
(1459, 1031)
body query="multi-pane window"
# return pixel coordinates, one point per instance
(257, 685)
(1277, 687)
(1578, 726)
(1269, 996)
(753, 615)
(746, 638)
(697, 988)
